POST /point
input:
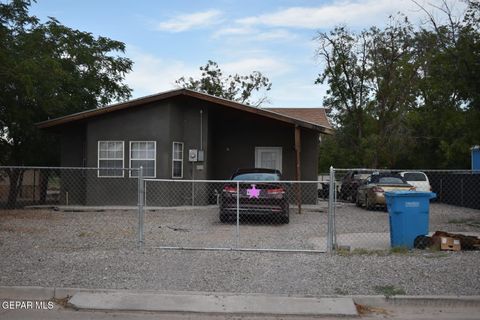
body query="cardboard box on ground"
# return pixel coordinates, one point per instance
(441, 240)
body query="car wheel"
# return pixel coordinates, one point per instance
(286, 218)
(368, 205)
(223, 217)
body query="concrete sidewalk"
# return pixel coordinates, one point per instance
(195, 302)
(213, 303)
(202, 303)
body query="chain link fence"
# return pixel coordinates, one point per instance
(118, 208)
(69, 208)
(106, 208)
(360, 214)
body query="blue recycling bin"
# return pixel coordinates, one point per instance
(409, 215)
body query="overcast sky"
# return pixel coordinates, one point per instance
(169, 39)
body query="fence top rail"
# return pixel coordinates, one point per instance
(232, 181)
(410, 170)
(66, 168)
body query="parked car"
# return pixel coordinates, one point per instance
(262, 195)
(350, 183)
(371, 192)
(417, 179)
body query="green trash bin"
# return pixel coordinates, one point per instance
(409, 215)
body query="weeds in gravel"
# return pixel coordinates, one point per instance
(84, 234)
(366, 252)
(340, 292)
(389, 290)
(361, 251)
(400, 250)
(64, 302)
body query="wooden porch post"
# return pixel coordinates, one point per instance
(298, 172)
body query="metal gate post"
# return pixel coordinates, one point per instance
(237, 230)
(331, 200)
(141, 198)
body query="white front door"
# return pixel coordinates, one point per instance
(268, 157)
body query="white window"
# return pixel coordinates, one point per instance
(268, 158)
(110, 155)
(177, 160)
(143, 153)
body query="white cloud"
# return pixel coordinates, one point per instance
(352, 12)
(152, 74)
(267, 65)
(276, 34)
(297, 93)
(186, 22)
(249, 34)
(233, 31)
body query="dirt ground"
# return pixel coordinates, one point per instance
(98, 249)
(200, 227)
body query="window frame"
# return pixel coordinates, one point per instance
(154, 159)
(181, 160)
(98, 159)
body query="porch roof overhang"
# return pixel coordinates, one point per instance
(276, 115)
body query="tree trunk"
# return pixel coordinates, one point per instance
(15, 176)
(43, 181)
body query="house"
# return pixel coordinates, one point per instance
(162, 131)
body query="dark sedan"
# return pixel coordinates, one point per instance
(259, 194)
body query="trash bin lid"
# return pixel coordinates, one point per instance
(430, 195)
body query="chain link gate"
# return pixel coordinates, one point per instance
(235, 215)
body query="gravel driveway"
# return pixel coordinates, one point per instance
(98, 250)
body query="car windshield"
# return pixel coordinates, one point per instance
(415, 176)
(361, 176)
(390, 180)
(257, 176)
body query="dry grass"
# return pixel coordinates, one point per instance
(63, 302)
(366, 310)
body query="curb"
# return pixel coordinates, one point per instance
(47, 293)
(418, 301)
(239, 304)
(27, 293)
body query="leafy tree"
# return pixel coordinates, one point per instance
(345, 56)
(370, 76)
(421, 107)
(49, 70)
(447, 120)
(232, 87)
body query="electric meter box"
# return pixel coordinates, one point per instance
(193, 155)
